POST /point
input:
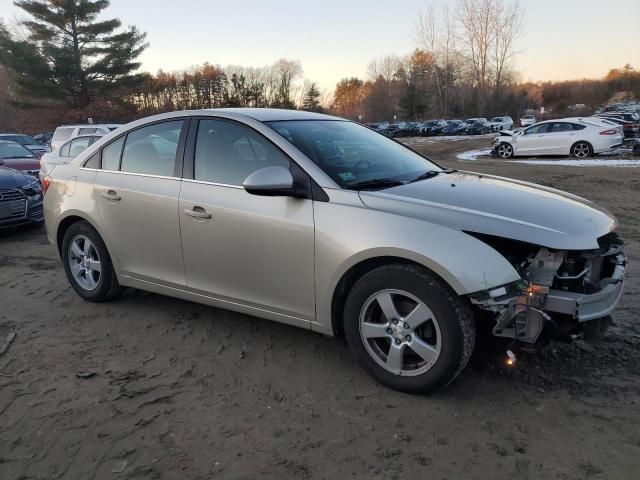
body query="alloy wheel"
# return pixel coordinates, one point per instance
(505, 150)
(581, 150)
(400, 332)
(84, 262)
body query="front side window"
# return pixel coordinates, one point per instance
(152, 150)
(227, 153)
(352, 154)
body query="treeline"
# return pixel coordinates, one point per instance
(462, 67)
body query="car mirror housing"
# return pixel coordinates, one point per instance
(271, 182)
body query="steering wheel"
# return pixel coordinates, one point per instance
(362, 165)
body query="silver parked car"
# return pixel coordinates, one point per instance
(324, 224)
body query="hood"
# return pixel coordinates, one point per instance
(506, 133)
(21, 163)
(501, 207)
(10, 179)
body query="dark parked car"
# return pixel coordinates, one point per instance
(13, 155)
(454, 127)
(26, 141)
(43, 138)
(477, 126)
(20, 199)
(629, 125)
(433, 127)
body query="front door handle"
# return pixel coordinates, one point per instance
(198, 212)
(112, 196)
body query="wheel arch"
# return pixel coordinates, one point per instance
(69, 220)
(357, 271)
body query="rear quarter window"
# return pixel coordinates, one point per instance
(62, 133)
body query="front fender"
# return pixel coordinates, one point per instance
(347, 235)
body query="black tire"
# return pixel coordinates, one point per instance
(107, 286)
(581, 149)
(454, 318)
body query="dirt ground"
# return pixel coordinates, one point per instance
(184, 391)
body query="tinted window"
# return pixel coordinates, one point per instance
(228, 153)
(561, 127)
(350, 153)
(62, 134)
(21, 139)
(78, 146)
(111, 155)
(152, 150)
(577, 126)
(87, 131)
(94, 161)
(541, 128)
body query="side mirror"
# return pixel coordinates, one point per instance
(271, 182)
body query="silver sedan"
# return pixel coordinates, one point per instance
(322, 223)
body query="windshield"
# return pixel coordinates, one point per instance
(351, 154)
(496, 119)
(13, 150)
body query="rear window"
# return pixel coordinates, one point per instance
(62, 133)
(87, 131)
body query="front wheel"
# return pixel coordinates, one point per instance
(504, 150)
(581, 150)
(408, 329)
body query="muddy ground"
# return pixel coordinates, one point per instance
(184, 391)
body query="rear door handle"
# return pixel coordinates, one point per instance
(197, 212)
(112, 196)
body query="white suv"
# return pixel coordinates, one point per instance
(66, 132)
(498, 124)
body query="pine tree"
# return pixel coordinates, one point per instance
(310, 101)
(69, 55)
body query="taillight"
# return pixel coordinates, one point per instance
(609, 132)
(46, 181)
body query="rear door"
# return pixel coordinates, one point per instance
(137, 192)
(561, 136)
(239, 248)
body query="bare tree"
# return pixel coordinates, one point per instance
(510, 26)
(436, 34)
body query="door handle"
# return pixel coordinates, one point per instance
(197, 212)
(111, 196)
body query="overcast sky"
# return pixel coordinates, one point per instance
(336, 38)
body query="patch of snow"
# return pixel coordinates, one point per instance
(593, 162)
(472, 155)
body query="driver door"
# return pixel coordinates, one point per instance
(534, 140)
(251, 251)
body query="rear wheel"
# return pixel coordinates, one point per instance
(88, 265)
(581, 150)
(504, 150)
(409, 330)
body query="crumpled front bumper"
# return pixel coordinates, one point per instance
(585, 307)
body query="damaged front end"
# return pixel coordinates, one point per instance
(562, 295)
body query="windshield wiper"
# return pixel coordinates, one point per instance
(430, 174)
(375, 183)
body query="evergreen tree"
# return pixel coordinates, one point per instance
(69, 55)
(311, 100)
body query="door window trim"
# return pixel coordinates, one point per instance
(188, 173)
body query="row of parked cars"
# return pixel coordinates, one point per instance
(25, 161)
(428, 128)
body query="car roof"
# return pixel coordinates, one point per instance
(90, 125)
(276, 114)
